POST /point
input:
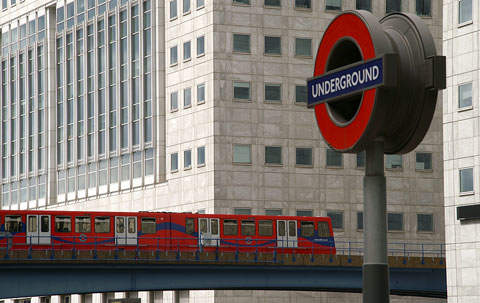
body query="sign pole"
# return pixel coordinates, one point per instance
(375, 261)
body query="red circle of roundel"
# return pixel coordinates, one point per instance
(345, 137)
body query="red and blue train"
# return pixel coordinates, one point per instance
(153, 230)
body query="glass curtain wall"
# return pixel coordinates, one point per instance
(23, 116)
(104, 97)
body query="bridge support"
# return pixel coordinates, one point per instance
(375, 263)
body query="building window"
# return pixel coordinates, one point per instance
(186, 6)
(187, 159)
(360, 220)
(393, 6)
(242, 2)
(200, 46)
(201, 93)
(187, 51)
(187, 97)
(466, 180)
(200, 4)
(241, 43)
(242, 154)
(464, 11)
(273, 212)
(301, 93)
(395, 222)
(393, 161)
(173, 101)
(333, 4)
(242, 211)
(361, 159)
(174, 162)
(365, 4)
(303, 4)
(425, 222)
(423, 8)
(465, 95)
(273, 45)
(304, 156)
(423, 161)
(273, 3)
(241, 90)
(303, 47)
(337, 219)
(173, 55)
(273, 155)
(304, 213)
(273, 93)
(201, 156)
(334, 158)
(173, 9)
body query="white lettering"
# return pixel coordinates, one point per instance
(332, 85)
(342, 82)
(375, 72)
(354, 79)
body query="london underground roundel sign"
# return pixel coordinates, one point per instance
(375, 80)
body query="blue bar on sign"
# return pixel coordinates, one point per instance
(345, 82)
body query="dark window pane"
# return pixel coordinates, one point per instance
(337, 219)
(305, 213)
(273, 92)
(307, 229)
(464, 11)
(333, 4)
(303, 47)
(273, 155)
(304, 156)
(393, 161)
(303, 3)
(423, 161)
(359, 220)
(395, 222)
(273, 45)
(272, 2)
(241, 43)
(242, 211)
(301, 93)
(361, 159)
(241, 90)
(334, 158)
(393, 6)
(242, 2)
(466, 180)
(364, 4)
(465, 95)
(423, 7)
(424, 222)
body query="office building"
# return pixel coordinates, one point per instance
(193, 105)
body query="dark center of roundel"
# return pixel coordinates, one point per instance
(344, 53)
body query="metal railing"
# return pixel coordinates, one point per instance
(189, 249)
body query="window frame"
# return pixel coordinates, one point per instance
(467, 22)
(249, 99)
(230, 222)
(337, 212)
(429, 15)
(189, 58)
(459, 87)
(470, 192)
(303, 8)
(233, 154)
(302, 223)
(311, 157)
(402, 222)
(249, 43)
(89, 225)
(204, 46)
(170, 10)
(173, 109)
(368, 9)
(237, 3)
(109, 224)
(331, 165)
(176, 62)
(201, 164)
(273, 163)
(393, 168)
(68, 219)
(265, 53)
(279, 6)
(311, 50)
(154, 224)
(272, 101)
(333, 9)
(392, 11)
(433, 223)
(171, 159)
(417, 153)
(203, 84)
(185, 152)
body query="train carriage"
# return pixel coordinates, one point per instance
(165, 231)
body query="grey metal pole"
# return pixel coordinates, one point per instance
(375, 261)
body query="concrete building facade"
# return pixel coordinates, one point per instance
(461, 166)
(194, 105)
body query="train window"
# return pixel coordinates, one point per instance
(292, 230)
(63, 224)
(203, 225)
(214, 226)
(45, 224)
(281, 228)
(148, 225)
(102, 224)
(265, 228)
(190, 226)
(323, 229)
(230, 227)
(13, 224)
(248, 227)
(83, 224)
(131, 225)
(308, 229)
(120, 225)
(32, 224)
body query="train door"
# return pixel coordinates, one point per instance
(287, 233)
(38, 229)
(125, 230)
(208, 231)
